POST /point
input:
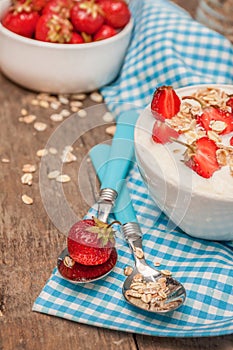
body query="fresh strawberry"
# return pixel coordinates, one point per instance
(76, 39)
(58, 7)
(213, 114)
(74, 271)
(90, 242)
(230, 103)
(200, 156)
(231, 141)
(86, 16)
(104, 32)
(116, 12)
(165, 103)
(21, 19)
(53, 28)
(162, 133)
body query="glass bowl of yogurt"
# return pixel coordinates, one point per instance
(199, 205)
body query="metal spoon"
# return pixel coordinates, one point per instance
(159, 292)
(123, 211)
(116, 168)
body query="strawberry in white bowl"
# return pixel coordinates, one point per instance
(184, 150)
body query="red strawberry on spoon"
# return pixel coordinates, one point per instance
(90, 242)
(165, 103)
(79, 273)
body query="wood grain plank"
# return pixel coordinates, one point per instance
(209, 343)
(30, 242)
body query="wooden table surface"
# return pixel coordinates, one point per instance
(30, 242)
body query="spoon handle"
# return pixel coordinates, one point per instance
(123, 210)
(121, 153)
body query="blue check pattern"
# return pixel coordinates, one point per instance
(167, 47)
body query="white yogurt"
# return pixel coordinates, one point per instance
(201, 207)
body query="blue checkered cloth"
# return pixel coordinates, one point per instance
(167, 47)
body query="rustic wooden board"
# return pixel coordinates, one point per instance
(30, 242)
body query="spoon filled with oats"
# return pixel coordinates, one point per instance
(146, 287)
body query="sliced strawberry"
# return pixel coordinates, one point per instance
(231, 141)
(213, 114)
(165, 103)
(200, 156)
(162, 133)
(74, 271)
(230, 103)
(90, 242)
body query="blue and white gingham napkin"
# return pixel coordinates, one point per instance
(167, 47)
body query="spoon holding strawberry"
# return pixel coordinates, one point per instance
(90, 252)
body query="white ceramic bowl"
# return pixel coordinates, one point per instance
(61, 68)
(200, 207)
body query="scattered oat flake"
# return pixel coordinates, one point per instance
(28, 119)
(29, 168)
(42, 152)
(108, 117)
(96, 97)
(23, 112)
(82, 113)
(166, 272)
(44, 104)
(56, 117)
(76, 104)
(128, 270)
(53, 174)
(55, 105)
(52, 150)
(5, 160)
(68, 157)
(111, 130)
(139, 253)
(157, 263)
(26, 179)
(63, 99)
(80, 97)
(63, 178)
(39, 126)
(26, 199)
(65, 113)
(74, 109)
